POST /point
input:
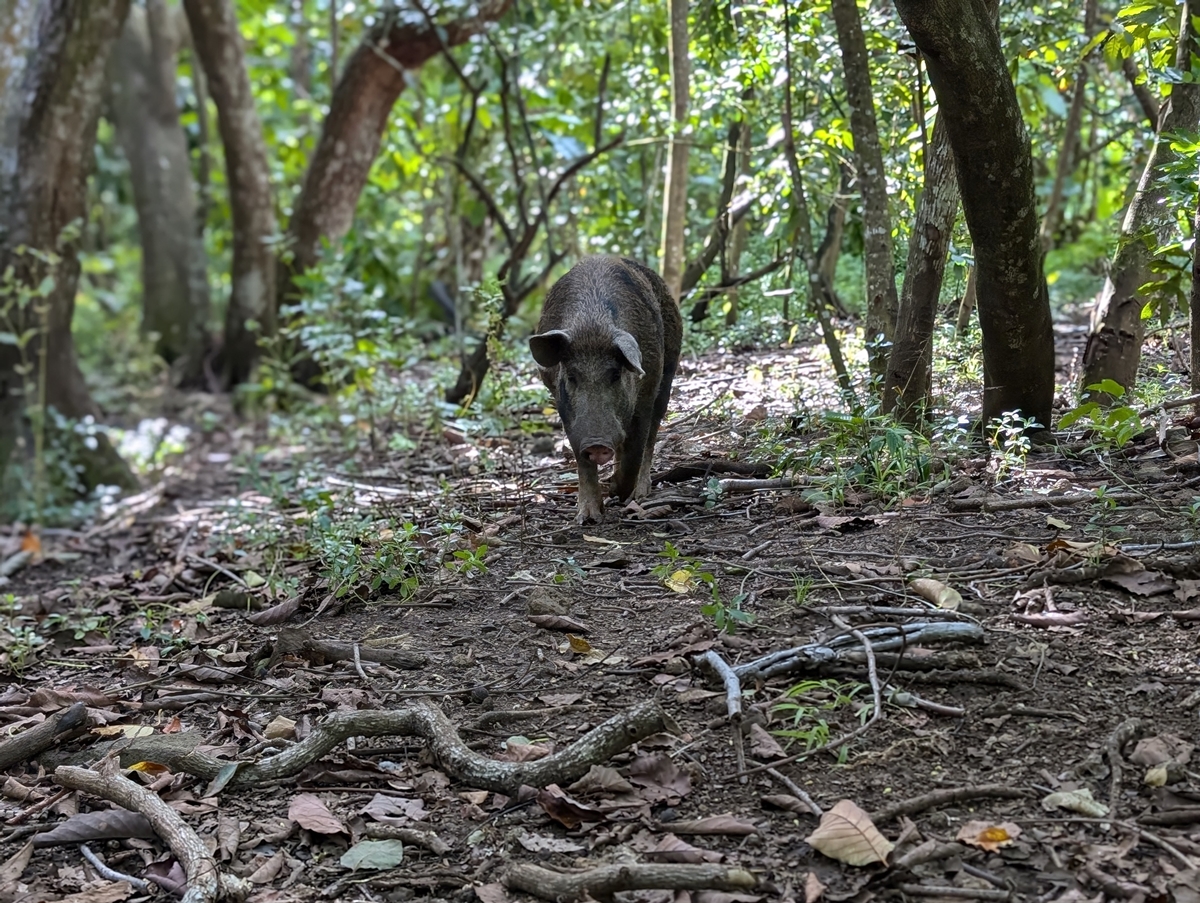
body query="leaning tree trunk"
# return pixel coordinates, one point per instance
(50, 119)
(907, 384)
(1194, 311)
(1114, 347)
(362, 102)
(1068, 151)
(872, 182)
(978, 105)
(674, 219)
(175, 300)
(251, 311)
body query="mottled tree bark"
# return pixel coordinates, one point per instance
(907, 384)
(352, 132)
(175, 299)
(978, 105)
(251, 311)
(674, 218)
(880, 321)
(1114, 347)
(50, 120)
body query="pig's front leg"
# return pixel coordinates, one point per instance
(591, 502)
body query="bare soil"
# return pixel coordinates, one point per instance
(1085, 679)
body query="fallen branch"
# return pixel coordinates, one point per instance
(883, 639)
(992, 503)
(705, 469)
(410, 836)
(418, 719)
(28, 744)
(300, 643)
(949, 797)
(206, 882)
(607, 880)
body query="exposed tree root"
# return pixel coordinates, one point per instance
(28, 744)
(601, 883)
(206, 883)
(418, 719)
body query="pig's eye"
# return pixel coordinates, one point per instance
(571, 380)
(614, 375)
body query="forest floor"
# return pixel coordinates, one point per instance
(1028, 739)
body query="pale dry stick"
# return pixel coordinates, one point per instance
(358, 664)
(733, 703)
(958, 893)
(1169, 405)
(872, 675)
(929, 851)
(740, 484)
(751, 553)
(908, 699)
(795, 790)
(212, 565)
(948, 796)
(206, 882)
(601, 883)
(111, 874)
(1126, 731)
(993, 503)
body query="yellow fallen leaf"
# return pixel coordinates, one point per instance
(682, 581)
(578, 644)
(987, 835)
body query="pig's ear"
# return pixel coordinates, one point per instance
(628, 346)
(550, 348)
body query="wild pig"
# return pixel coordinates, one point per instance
(608, 345)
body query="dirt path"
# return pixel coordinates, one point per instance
(1074, 668)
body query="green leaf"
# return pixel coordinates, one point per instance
(373, 854)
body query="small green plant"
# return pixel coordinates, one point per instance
(464, 561)
(19, 637)
(1008, 435)
(808, 703)
(801, 590)
(1111, 427)
(1099, 524)
(727, 616)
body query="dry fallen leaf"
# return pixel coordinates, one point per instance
(682, 581)
(309, 812)
(847, 834)
(988, 835)
(938, 593)
(1080, 801)
(813, 888)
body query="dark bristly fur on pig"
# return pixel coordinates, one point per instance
(608, 345)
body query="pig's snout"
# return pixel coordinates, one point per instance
(598, 454)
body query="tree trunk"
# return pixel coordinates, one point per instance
(1141, 93)
(251, 311)
(907, 385)
(830, 248)
(1194, 310)
(49, 134)
(362, 102)
(674, 219)
(175, 300)
(966, 306)
(978, 105)
(1068, 152)
(736, 244)
(872, 181)
(1114, 346)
